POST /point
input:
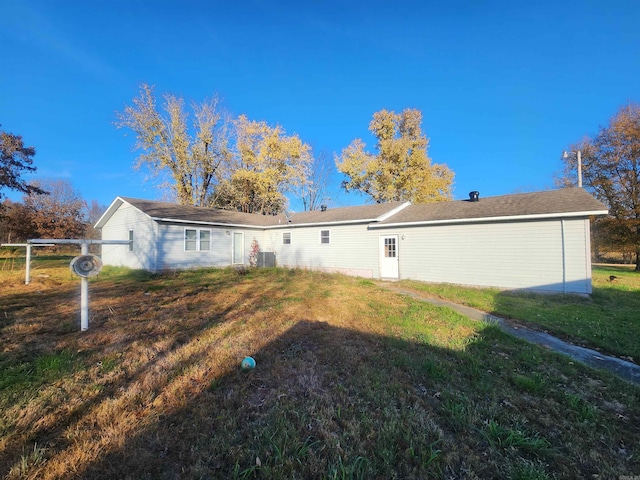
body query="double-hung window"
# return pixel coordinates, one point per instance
(286, 238)
(196, 239)
(325, 236)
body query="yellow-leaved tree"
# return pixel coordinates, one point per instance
(401, 169)
(267, 164)
(199, 162)
(190, 155)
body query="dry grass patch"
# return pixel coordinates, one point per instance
(351, 381)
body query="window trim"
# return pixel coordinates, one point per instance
(197, 239)
(130, 244)
(328, 237)
(290, 238)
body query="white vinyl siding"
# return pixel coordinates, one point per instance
(353, 249)
(527, 255)
(124, 220)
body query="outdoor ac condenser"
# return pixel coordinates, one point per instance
(266, 259)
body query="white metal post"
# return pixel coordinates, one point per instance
(27, 277)
(84, 282)
(84, 294)
(579, 169)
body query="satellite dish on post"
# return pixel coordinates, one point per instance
(86, 265)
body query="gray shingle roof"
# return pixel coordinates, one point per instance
(171, 211)
(184, 213)
(345, 214)
(549, 202)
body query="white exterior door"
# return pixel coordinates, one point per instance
(238, 248)
(389, 256)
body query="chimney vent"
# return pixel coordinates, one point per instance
(323, 208)
(474, 196)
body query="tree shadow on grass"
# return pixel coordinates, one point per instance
(44, 327)
(327, 402)
(323, 401)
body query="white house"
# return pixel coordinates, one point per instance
(535, 241)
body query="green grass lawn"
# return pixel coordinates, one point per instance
(609, 320)
(352, 381)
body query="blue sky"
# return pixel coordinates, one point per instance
(504, 86)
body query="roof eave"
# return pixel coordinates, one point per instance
(200, 222)
(109, 212)
(493, 219)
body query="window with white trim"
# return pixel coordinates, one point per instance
(196, 239)
(325, 236)
(130, 246)
(286, 238)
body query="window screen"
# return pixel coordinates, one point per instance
(205, 240)
(190, 240)
(196, 239)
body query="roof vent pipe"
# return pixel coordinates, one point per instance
(323, 208)
(474, 196)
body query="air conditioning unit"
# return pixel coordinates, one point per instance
(266, 259)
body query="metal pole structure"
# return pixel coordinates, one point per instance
(27, 275)
(84, 281)
(579, 169)
(84, 295)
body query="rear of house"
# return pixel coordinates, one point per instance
(536, 241)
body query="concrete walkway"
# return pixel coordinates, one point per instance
(627, 370)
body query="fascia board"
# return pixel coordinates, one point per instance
(262, 227)
(110, 211)
(320, 224)
(492, 219)
(213, 224)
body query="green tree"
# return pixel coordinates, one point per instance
(401, 169)
(267, 164)
(15, 159)
(190, 155)
(611, 171)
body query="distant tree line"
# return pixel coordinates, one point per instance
(49, 209)
(57, 211)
